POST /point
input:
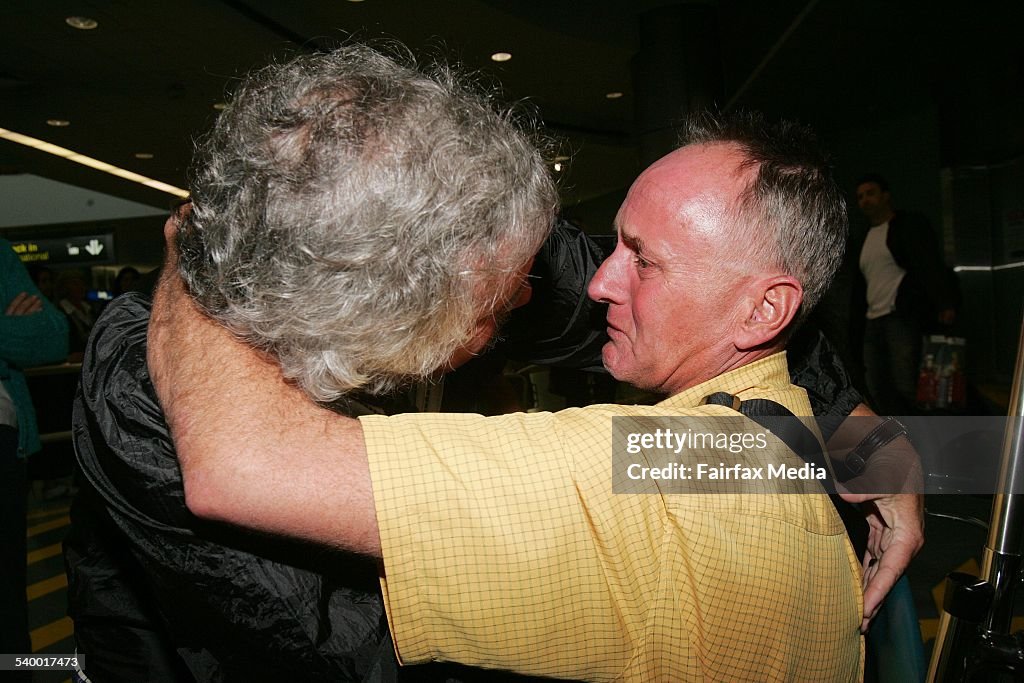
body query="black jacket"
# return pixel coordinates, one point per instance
(159, 595)
(928, 287)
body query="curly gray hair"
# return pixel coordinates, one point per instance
(356, 216)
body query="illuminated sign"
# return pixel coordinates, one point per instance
(86, 250)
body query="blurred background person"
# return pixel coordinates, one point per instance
(32, 332)
(72, 290)
(125, 281)
(44, 279)
(904, 293)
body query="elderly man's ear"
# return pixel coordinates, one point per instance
(771, 306)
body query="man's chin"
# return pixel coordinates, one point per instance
(612, 361)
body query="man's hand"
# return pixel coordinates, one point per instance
(896, 523)
(24, 304)
(888, 492)
(254, 450)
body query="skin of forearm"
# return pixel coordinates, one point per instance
(285, 465)
(896, 523)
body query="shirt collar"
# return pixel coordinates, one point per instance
(762, 375)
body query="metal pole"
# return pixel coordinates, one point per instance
(973, 607)
(1001, 558)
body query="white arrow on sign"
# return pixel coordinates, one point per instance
(94, 247)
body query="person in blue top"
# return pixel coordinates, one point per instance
(32, 332)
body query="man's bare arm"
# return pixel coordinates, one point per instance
(286, 466)
(896, 533)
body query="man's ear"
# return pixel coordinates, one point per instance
(774, 303)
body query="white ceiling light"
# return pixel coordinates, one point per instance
(72, 155)
(501, 56)
(558, 167)
(220, 106)
(58, 123)
(613, 95)
(82, 23)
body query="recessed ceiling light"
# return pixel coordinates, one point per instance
(143, 155)
(220, 106)
(558, 167)
(613, 95)
(58, 123)
(83, 23)
(501, 56)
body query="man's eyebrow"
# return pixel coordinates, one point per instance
(632, 241)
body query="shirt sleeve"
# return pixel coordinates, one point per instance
(515, 527)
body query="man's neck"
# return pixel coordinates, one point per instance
(734, 362)
(883, 219)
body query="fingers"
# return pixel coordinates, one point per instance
(896, 534)
(24, 304)
(881, 577)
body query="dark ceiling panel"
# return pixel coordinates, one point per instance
(147, 78)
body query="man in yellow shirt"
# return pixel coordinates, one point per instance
(503, 542)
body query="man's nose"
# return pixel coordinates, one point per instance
(605, 287)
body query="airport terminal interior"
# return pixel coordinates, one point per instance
(101, 102)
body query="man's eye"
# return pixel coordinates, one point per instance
(641, 262)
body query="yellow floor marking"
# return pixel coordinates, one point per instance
(46, 586)
(48, 526)
(47, 512)
(43, 553)
(54, 632)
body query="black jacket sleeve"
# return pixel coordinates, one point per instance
(560, 326)
(925, 290)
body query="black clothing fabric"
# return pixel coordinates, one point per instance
(159, 595)
(560, 326)
(815, 365)
(14, 638)
(142, 568)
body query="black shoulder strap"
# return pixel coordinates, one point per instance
(785, 425)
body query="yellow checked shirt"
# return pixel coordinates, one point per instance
(505, 547)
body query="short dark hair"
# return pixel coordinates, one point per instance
(876, 178)
(793, 195)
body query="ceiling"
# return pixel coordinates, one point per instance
(146, 79)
